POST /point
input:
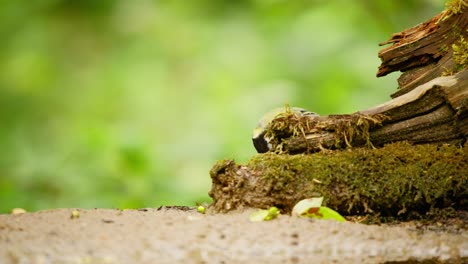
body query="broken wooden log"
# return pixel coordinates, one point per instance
(431, 49)
(397, 179)
(430, 106)
(435, 112)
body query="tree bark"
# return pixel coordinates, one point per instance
(435, 112)
(425, 52)
(430, 106)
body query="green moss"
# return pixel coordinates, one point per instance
(398, 180)
(452, 7)
(443, 48)
(459, 57)
(460, 54)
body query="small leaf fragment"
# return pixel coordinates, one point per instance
(258, 215)
(17, 211)
(75, 214)
(273, 212)
(264, 215)
(201, 209)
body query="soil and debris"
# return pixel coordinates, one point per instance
(182, 235)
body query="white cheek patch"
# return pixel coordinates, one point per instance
(268, 142)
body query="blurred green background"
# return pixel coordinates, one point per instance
(128, 103)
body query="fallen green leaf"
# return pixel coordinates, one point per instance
(303, 206)
(328, 213)
(264, 215)
(312, 208)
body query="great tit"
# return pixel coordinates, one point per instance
(262, 143)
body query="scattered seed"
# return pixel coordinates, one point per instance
(75, 214)
(17, 211)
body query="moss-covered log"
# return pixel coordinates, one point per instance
(398, 179)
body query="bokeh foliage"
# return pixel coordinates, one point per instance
(117, 103)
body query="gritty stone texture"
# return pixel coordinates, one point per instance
(172, 235)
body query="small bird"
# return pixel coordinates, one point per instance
(262, 143)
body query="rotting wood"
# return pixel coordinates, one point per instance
(436, 112)
(429, 107)
(425, 51)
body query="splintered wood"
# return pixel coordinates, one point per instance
(430, 105)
